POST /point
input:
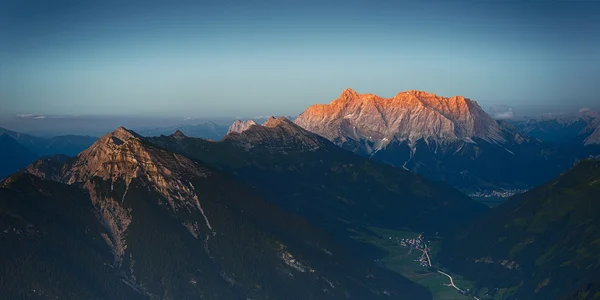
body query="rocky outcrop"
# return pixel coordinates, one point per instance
(239, 126)
(122, 154)
(408, 116)
(120, 157)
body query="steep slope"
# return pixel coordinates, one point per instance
(13, 155)
(307, 174)
(51, 245)
(590, 291)
(444, 139)
(176, 229)
(541, 244)
(69, 145)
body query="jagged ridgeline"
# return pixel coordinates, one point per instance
(448, 139)
(126, 219)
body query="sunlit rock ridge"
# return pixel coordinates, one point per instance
(408, 116)
(449, 139)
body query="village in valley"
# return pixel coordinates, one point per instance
(500, 193)
(413, 258)
(417, 244)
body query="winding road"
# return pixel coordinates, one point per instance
(425, 252)
(453, 285)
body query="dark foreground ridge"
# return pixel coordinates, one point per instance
(126, 219)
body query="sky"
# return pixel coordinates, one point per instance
(222, 58)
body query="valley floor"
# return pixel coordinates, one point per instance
(413, 255)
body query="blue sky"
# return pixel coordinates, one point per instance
(250, 58)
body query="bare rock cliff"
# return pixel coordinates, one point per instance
(410, 115)
(239, 126)
(122, 156)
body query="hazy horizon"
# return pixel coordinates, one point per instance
(97, 125)
(238, 58)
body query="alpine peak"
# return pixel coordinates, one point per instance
(273, 122)
(114, 139)
(124, 154)
(348, 92)
(408, 116)
(123, 134)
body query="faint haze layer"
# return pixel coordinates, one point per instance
(231, 58)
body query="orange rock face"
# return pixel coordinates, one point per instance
(409, 115)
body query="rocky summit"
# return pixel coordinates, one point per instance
(374, 121)
(447, 139)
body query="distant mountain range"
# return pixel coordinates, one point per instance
(207, 130)
(583, 128)
(538, 245)
(17, 150)
(447, 139)
(69, 145)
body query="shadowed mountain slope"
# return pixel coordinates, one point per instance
(542, 243)
(13, 155)
(305, 173)
(164, 226)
